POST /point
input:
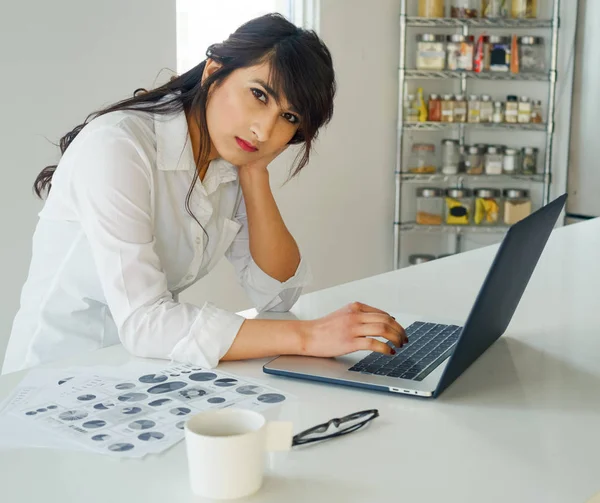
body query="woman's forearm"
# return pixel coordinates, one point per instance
(264, 338)
(272, 246)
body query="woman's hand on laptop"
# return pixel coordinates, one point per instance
(350, 329)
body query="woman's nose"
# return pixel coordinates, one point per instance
(263, 127)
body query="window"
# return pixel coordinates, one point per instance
(201, 23)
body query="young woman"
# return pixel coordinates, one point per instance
(151, 192)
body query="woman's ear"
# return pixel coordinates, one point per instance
(211, 67)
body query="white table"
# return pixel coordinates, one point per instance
(521, 424)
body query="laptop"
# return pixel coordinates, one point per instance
(438, 353)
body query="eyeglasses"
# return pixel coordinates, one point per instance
(339, 426)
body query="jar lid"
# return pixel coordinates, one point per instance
(492, 149)
(486, 97)
(430, 37)
(458, 193)
(474, 149)
(423, 147)
(515, 193)
(529, 40)
(457, 37)
(420, 258)
(511, 97)
(450, 140)
(444, 255)
(510, 151)
(434, 96)
(429, 192)
(486, 193)
(448, 97)
(473, 97)
(499, 39)
(530, 150)
(460, 97)
(524, 99)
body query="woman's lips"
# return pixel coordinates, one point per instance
(244, 145)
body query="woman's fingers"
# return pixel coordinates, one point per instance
(368, 344)
(379, 330)
(364, 308)
(388, 321)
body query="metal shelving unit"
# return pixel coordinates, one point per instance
(442, 126)
(426, 22)
(453, 229)
(405, 74)
(441, 178)
(451, 74)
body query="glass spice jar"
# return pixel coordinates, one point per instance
(524, 110)
(431, 8)
(498, 115)
(431, 54)
(536, 112)
(447, 108)
(430, 206)
(473, 160)
(422, 159)
(517, 205)
(459, 50)
(529, 158)
(411, 111)
(474, 109)
(493, 160)
(488, 207)
(510, 163)
(463, 9)
(434, 108)
(450, 156)
(522, 9)
(486, 109)
(460, 108)
(499, 47)
(511, 114)
(494, 9)
(459, 204)
(532, 54)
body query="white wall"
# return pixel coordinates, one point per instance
(63, 59)
(59, 61)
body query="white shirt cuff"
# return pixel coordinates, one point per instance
(210, 337)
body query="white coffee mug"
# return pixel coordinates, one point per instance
(226, 451)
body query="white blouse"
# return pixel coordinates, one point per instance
(114, 246)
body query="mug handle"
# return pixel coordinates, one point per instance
(278, 436)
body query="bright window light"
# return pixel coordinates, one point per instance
(201, 23)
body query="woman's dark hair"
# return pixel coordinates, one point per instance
(301, 70)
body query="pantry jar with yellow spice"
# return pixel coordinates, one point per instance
(431, 8)
(524, 9)
(459, 206)
(430, 206)
(488, 207)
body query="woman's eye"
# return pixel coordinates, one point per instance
(259, 95)
(291, 117)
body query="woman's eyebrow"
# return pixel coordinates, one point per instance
(274, 94)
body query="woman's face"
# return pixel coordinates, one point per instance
(247, 120)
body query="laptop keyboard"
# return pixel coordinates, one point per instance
(429, 344)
